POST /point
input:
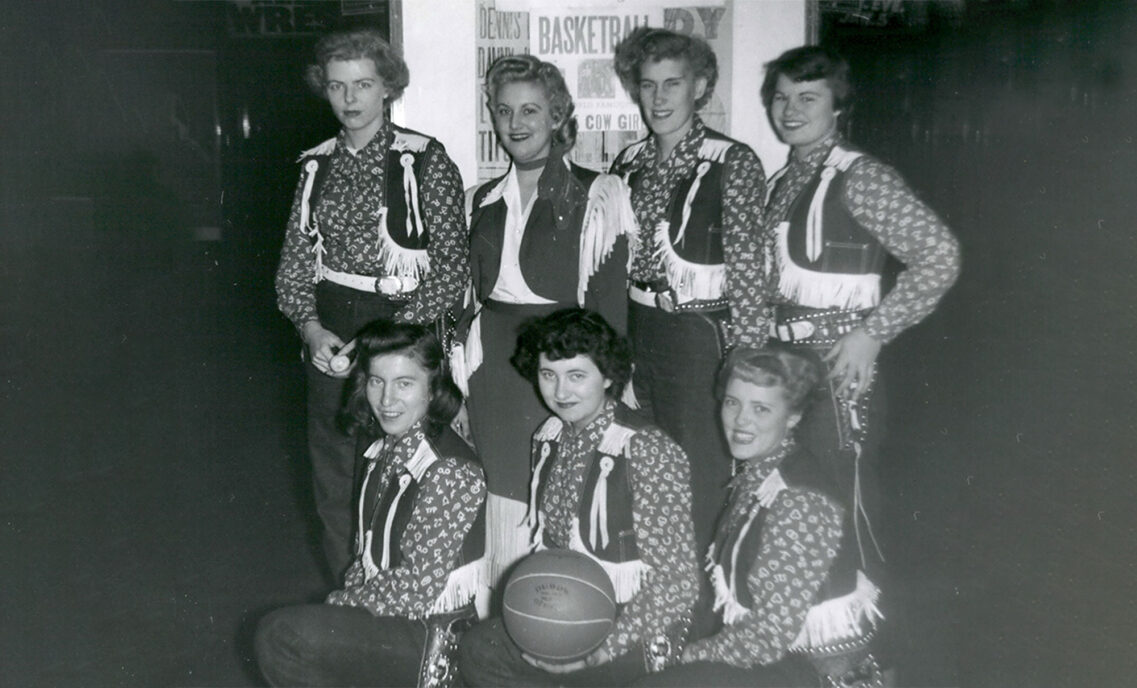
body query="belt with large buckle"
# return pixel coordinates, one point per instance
(388, 285)
(815, 327)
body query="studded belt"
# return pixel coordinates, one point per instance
(814, 326)
(669, 302)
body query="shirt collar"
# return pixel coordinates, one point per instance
(375, 148)
(818, 155)
(597, 425)
(754, 472)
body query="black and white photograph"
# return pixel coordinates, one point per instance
(459, 343)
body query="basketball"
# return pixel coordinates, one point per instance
(559, 605)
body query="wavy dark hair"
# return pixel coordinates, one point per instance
(416, 342)
(512, 68)
(646, 43)
(811, 63)
(358, 44)
(771, 367)
(572, 332)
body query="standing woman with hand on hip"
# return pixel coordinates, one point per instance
(546, 235)
(376, 232)
(834, 215)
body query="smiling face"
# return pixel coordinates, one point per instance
(357, 94)
(523, 120)
(755, 419)
(668, 90)
(803, 113)
(573, 388)
(398, 392)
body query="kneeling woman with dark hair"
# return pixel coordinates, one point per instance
(419, 528)
(783, 562)
(606, 484)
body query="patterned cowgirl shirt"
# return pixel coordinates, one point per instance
(879, 200)
(445, 507)
(744, 190)
(800, 538)
(347, 211)
(660, 484)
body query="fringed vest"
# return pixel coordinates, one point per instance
(385, 510)
(825, 259)
(603, 528)
(401, 235)
(573, 228)
(688, 241)
(846, 603)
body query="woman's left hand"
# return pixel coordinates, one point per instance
(597, 658)
(851, 362)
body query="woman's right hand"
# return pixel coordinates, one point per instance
(321, 345)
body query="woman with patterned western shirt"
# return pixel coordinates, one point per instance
(546, 235)
(419, 529)
(696, 282)
(783, 566)
(607, 484)
(833, 217)
(376, 231)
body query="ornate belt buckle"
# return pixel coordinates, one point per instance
(666, 301)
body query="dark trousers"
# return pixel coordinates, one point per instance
(677, 357)
(327, 645)
(488, 657)
(343, 311)
(790, 672)
(856, 474)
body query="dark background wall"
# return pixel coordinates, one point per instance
(153, 500)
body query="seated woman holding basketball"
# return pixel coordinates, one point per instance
(609, 485)
(783, 564)
(420, 524)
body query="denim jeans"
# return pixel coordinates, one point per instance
(343, 311)
(487, 656)
(328, 645)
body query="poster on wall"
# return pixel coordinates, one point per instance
(580, 36)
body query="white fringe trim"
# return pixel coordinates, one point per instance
(627, 577)
(399, 261)
(822, 289)
(725, 600)
(549, 430)
(461, 586)
(840, 618)
(616, 440)
(324, 148)
(689, 280)
(608, 215)
(714, 149)
(406, 141)
(507, 535)
(628, 396)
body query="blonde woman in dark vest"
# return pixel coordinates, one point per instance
(545, 235)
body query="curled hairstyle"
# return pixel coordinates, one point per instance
(358, 44)
(572, 332)
(646, 44)
(512, 68)
(417, 343)
(811, 63)
(771, 367)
